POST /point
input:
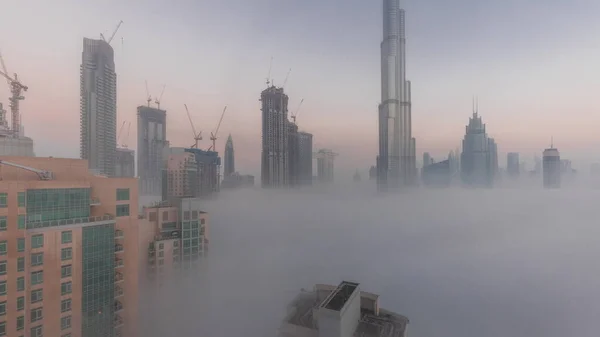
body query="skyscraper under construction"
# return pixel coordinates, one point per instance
(275, 128)
(396, 164)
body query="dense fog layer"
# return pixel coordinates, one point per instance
(458, 263)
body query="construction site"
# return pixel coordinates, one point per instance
(342, 311)
(12, 136)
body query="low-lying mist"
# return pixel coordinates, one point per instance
(458, 263)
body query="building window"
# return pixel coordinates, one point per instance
(37, 277)
(21, 199)
(122, 194)
(21, 221)
(66, 253)
(3, 223)
(37, 295)
(37, 241)
(37, 331)
(3, 329)
(20, 323)
(165, 216)
(202, 221)
(122, 210)
(57, 204)
(65, 288)
(66, 237)
(37, 259)
(3, 199)
(161, 245)
(21, 283)
(2, 267)
(65, 322)
(3, 247)
(65, 271)
(37, 314)
(161, 254)
(20, 303)
(65, 305)
(2, 308)
(20, 244)
(20, 264)
(2, 287)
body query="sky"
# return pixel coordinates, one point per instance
(532, 64)
(485, 263)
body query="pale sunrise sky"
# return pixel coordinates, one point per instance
(535, 65)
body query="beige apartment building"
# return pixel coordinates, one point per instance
(69, 250)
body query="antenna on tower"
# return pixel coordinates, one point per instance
(551, 142)
(477, 104)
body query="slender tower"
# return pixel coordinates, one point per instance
(396, 162)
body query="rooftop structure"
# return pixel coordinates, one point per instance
(342, 311)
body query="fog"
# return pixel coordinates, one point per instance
(457, 263)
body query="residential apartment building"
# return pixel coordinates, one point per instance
(69, 250)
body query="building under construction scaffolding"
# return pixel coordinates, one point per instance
(343, 311)
(208, 170)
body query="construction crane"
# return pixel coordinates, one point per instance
(295, 114)
(126, 141)
(286, 78)
(42, 174)
(120, 132)
(213, 136)
(157, 99)
(113, 34)
(148, 97)
(197, 135)
(269, 74)
(16, 89)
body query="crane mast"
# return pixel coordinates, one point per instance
(16, 89)
(213, 136)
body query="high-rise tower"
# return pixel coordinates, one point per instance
(275, 160)
(396, 160)
(229, 168)
(152, 141)
(98, 106)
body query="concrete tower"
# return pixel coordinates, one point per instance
(275, 160)
(479, 158)
(396, 160)
(305, 157)
(229, 168)
(552, 167)
(98, 106)
(151, 143)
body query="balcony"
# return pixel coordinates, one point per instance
(119, 263)
(119, 234)
(118, 248)
(119, 277)
(118, 291)
(118, 321)
(107, 218)
(118, 307)
(94, 202)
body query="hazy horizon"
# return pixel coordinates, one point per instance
(533, 73)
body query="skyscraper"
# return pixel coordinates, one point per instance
(512, 164)
(479, 158)
(98, 106)
(152, 142)
(305, 158)
(293, 155)
(396, 160)
(229, 165)
(274, 161)
(325, 160)
(552, 168)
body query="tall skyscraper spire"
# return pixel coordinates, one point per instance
(396, 161)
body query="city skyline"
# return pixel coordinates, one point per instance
(509, 75)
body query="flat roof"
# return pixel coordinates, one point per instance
(340, 296)
(371, 324)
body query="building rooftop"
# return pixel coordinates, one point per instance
(302, 316)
